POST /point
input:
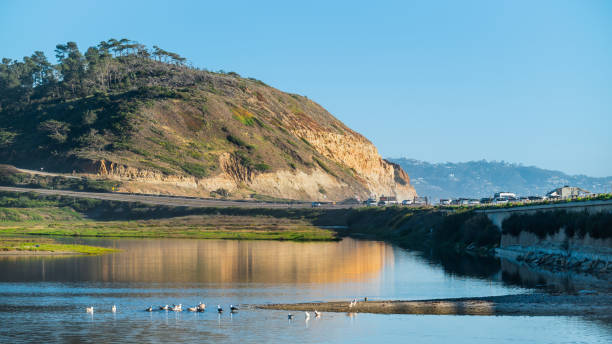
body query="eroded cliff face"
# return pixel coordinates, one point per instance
(358, 154)
(373, 176)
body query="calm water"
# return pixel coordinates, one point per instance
(44, 298)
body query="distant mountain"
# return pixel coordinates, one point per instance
(475, 179)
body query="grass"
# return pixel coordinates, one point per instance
(33, 214)
(45, 213)
(195, 227)
(323, 166)
(8, 244)
(244, 116)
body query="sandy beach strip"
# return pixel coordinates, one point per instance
(537, 304)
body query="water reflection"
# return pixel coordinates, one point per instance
(560, 281)
(465, 264)
(44, 298)
(208, 261)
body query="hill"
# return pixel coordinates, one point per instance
(477, 179)
(144, 118)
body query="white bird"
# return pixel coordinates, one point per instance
(219, 309)
(164, 308)
(192, 309)
(178, 308)
(114, 309)
(201, 307)
(307, 315)
(317, 314)
(150, 309)
(353, 303)
(89, 309)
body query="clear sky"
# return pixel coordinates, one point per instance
(520, 81)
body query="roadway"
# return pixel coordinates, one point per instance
(177, 201)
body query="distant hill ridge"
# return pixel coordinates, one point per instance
(145, 118)
(475, 179)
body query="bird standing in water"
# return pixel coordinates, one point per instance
(89, 309)
(114, 309)
(219, 309)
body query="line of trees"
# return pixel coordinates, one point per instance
(112, 64)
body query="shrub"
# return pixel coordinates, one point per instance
(244, 116)
(195, 170)
(262, 167)
(238, 142)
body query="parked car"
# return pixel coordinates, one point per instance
(382, 203)
(315, 204)
(407, 202)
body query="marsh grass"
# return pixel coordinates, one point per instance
(196, 227)
(8, 244)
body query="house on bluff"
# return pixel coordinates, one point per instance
(567, 192)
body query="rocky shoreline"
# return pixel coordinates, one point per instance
(597, 265)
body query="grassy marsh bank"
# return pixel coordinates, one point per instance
(34, 214)
(197, 227)
(26, 246)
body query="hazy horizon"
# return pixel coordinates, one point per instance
(445, 81)
(493, 161)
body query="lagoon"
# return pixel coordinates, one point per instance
(43, 298)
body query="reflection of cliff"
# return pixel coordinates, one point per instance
(212, 261)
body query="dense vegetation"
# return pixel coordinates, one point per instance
(87, 102)
(427, 228)
(596, 225)
(110, 66)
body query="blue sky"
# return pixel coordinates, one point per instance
(520, 81)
